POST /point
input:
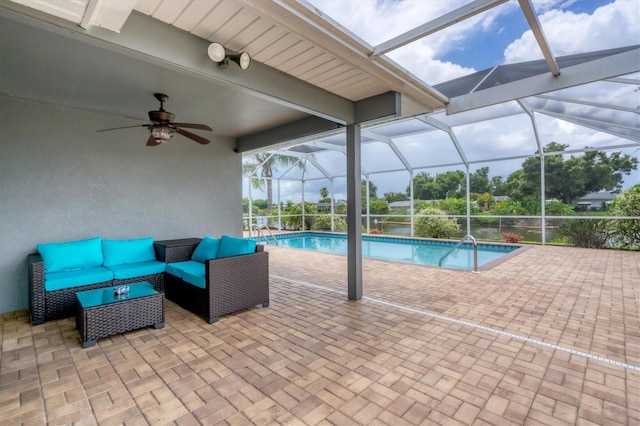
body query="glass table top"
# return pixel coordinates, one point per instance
(120, 293)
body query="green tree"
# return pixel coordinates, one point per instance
(323, 223)
(324, 195)
(450, 184)
(498, 186)
(479, 181)
(627, 231)
(423, 187)
(574, 177)
(373, 189)
(260, 204)
(456, 206)
(293, 215)
(267, 163)
(378, 206)
(391, 197)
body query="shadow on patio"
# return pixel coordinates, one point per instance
(548, 337)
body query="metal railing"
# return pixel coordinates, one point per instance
(259, 229)
(458, 244)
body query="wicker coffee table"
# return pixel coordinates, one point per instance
(100, 313)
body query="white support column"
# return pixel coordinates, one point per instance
(543, 198)
(468, 182)
(411, 207)
(368, 210)
(250, 206)
(333, 205)
(279, 208)
(354, 213)
(302, 205)
(543, 194)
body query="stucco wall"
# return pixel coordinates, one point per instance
(60, 180)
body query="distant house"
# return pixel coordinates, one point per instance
(404, 206)
(326, 206)
(596, 201)
(398, 206)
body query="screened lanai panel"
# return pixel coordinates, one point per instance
(501, 168)
(378, 157)
(334, 162)
(623, 124)
(488, 113)
(397, 182)
(306, 170)
(577, 136)
(505, 137)
(428, 149)
(401, 128)
(621, 92)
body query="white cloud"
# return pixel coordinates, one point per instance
(379, 21)
(613, 25)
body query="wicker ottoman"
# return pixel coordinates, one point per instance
(102, 313)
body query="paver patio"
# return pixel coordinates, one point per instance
(550, 336)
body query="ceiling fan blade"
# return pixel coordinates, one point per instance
(192, 136)
(152, 142)
(193, 126)
(125, 127)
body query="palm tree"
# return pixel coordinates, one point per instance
(267, 163)
(324, 193)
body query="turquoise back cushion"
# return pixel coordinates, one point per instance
(207, 249)
(71, 254)
(234, 246)
(122, 252)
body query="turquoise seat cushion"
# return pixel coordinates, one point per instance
(79, 254)
(190, 271)
(133, 270)
(122, 252)
(206, 249)
(234, 246)
(76, 278)
(178, 269)
(195, 279)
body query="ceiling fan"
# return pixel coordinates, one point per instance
(163, 127)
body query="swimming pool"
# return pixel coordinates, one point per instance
(408, 250)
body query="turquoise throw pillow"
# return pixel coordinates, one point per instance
(207, 249)
(234, 246)
(77, 254)
(122, 252)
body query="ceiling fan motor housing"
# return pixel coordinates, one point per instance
(161, 116)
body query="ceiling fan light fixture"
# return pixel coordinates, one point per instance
(161, 134)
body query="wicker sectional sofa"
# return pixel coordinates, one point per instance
(59, 270)
(229, 281)
(226, 282)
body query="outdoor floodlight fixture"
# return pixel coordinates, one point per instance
(219, 54)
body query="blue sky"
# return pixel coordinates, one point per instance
(486, 48)
(500, 35)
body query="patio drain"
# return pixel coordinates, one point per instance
(470, 324)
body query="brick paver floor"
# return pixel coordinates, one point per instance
(551, 336)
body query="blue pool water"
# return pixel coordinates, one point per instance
(409, 250)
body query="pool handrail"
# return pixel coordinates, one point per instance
(458, 244)
(262, 223)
